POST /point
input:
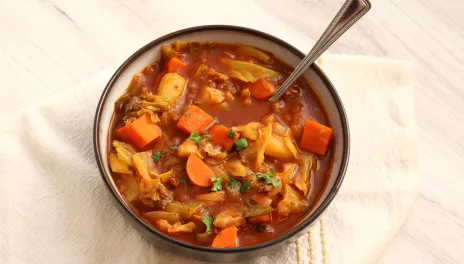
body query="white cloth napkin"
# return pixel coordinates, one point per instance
(55, 208)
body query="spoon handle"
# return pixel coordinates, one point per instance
(347, 16)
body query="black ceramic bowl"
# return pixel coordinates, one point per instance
(225, 34)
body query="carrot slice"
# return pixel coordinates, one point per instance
(194, 120)
(123, 132)
(227, 238)
(316, 137)
(260, 219)
(261, 89)
(261, 199)
(140, 133)
(174, 64)
(220, 136)
(198, 172)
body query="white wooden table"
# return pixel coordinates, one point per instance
(49, 45)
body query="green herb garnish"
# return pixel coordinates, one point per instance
(156, 156)
(195, 137)
(187, 114)
(233, 182)
(245, 185)
(217, 184)
(174, 147)
(208, 221)
(183, 179)
(231, 133)
(268, 177)
(240, 144)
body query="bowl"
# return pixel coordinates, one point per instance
(225, 34)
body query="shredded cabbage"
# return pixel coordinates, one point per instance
(291, 203)
(302, 179)
(247, 71)
(125, 151)
(142, 164)
(264, 135)
(257, 209)
(212, 197)
(289, 171)
(254, 53)
(184, 210)
(171, 217)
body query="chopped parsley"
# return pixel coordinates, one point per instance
(217, 184)
(245, 185)
(183, 179)
(187, 114)
(208, 221)
(233, 182)
(156, 156)
(231, 133)
(268, 177)
(208, 136)
(174, 147)
(195, 137)
(240, 144)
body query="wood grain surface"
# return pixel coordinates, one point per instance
(35, 63)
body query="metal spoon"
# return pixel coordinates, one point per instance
(346, 17)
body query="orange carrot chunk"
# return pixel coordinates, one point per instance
(261, 89)
(223, 136)
(260, 219)
(174, 64)
(227, 238)
(194, 120)
(198, 172)
(140, 133)
(123, 132)
(316, 137)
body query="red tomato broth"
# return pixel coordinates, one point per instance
(236, 114)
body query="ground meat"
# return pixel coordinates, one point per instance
(165, 197)
(134, 105)
(263, 187)
(215, 79)
(228, 86)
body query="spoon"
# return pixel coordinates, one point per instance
(347, 16)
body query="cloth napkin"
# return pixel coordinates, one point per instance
(55, 207)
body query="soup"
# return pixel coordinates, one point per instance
(199, 152)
